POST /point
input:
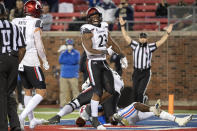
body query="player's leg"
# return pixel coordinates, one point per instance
(82, 99)
(180, 121)
(95, 75)
(36, 77)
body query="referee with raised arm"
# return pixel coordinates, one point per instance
(142, 55)
(12, 50)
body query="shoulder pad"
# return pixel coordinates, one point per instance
(87, 28)
(104, 25)
(38, 23)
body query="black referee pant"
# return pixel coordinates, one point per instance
(8, 80)
(140, 82)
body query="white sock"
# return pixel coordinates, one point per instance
(31, 105)
(26, 101)
(166, 116)
(94, 108)
(67, 109)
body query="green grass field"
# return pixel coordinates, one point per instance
(47, 113)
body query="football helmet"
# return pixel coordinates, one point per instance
(33, 8)
(96, 21)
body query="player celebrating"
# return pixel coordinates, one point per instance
(137, 112)
(30, 71)
(95, 39)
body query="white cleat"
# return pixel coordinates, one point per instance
(34, 122)
(156, 109)
(183, 121)
(22, 123)
(101, 127)
(121, 119)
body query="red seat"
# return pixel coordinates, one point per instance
(189, 1)
(172, 2)
(80, 8)
(117, 2)
(78, 2)
(152, 1)
(145, 7)
(144, 14)
(162, 20)
(136, 1)
(66, 15)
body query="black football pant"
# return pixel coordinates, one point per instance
(8, 81)
(140, 83)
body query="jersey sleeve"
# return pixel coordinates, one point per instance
(134, 44)
(86, 29)
(152, 47)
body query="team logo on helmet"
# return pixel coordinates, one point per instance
(91, 18)
(33, 8)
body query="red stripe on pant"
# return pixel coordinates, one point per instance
(36, 72)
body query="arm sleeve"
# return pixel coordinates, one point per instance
(152, 47)
(39, 45)
(134, 44)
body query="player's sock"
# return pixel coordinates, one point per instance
(26, 101)
(31, 105)
(67, 109)
(166, 116)
(94, 108)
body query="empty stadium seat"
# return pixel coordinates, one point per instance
(145, 7)
(144, 14)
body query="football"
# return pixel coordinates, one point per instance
(80, 122)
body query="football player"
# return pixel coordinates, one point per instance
(136, 112)
(85, 98)
(29, 69)
(96, 40)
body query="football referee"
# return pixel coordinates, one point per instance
(142, 55)
(11, 52)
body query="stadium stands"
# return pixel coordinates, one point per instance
(144, 11)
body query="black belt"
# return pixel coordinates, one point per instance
(137, 69)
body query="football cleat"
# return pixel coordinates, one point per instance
(34, 122)
(54, 120)
(183, 121)
(120, 119)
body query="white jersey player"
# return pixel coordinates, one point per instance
(29, 69)
(95, 41)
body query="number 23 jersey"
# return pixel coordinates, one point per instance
(99, 39)
(29, 26)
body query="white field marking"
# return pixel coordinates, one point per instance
(54, 112)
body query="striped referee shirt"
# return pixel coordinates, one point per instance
(11, 38)
(142, 54)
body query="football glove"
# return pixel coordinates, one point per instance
(124, 62)
(46, 65)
